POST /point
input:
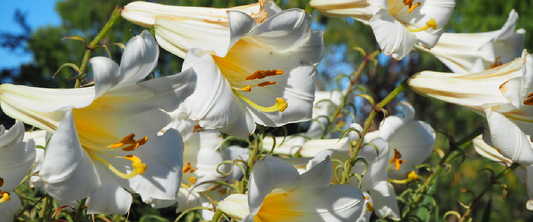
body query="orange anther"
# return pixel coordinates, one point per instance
(259, 74)
(266, 83)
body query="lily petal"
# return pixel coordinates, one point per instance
(67, 170)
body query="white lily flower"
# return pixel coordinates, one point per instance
(411, 141)
(503, 95)
(16, 158)
(277, 192)
(93, 151)
(475, 52)
(202, 156)
(375, 181)
(397, 24)
(251, 69)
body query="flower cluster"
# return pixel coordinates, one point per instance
(203, 138)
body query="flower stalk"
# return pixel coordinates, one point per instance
(423, 190)
(378, 108)
(89, 48)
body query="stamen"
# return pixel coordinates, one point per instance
(529, 100)
(186, 168)
(197, 128)
(429, 24)
(496, 62)
(266, 83)
(280, 105)
(412, 176)
(133, 145)
(192, 180)
(137, 164)
(259, 74)
(247, 89)
(396, 159)
(408, 2)
(411, 8)
(1, 181)
(5, 197)
(369, 207)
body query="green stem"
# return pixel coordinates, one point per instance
(368, 122)
(351, 88)
(79, 211)
(477, 199)
(217, 215)
(114, 18)
(422, 190)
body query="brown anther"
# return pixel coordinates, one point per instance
(142, 141)
(529, 100)
(259, 74)
(496, 63)
(408, 2)
(1, 181)
(247, 89)
(131, 147)
(266, 83)
(186, 168)
(396, 159)
(197, 128)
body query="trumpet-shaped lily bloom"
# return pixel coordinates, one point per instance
(502, 95)
(411, 141)
(277, 192)
(475, 52)
(105, 136)
(16, 158)
(251, 69)
(397, 24)
(202, 157)
(375, 181)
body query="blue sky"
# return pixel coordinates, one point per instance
(38, 13)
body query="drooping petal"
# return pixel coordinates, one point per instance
(236, 205)
(393, 38)
(16, 156)
(139, 58)
(508, 139)
(67, 169)
(385, 202)
(213, 102)
(109, 197)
